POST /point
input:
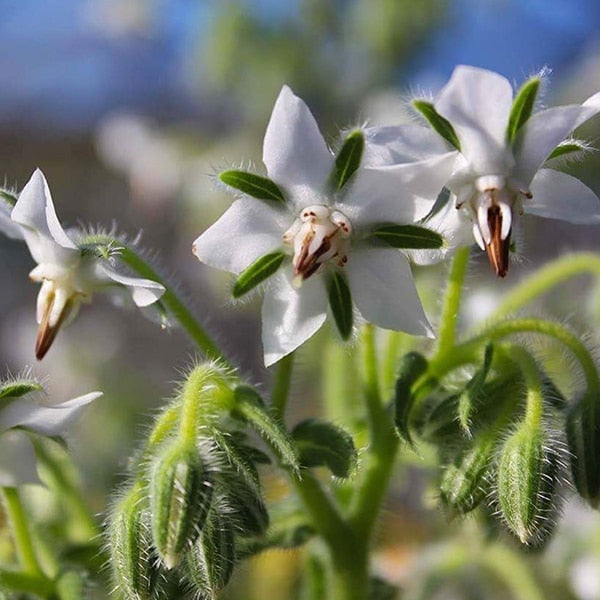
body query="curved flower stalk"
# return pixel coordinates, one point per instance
(338, 219)
(69, 274)
(503, 147)
(20, 414)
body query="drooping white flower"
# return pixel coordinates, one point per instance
(329, 214)
(500, 173)
(20, 414)
(69, 275)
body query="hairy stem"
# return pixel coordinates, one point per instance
(281, 386)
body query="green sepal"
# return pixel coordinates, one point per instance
(9, 197)
(473, 390)
(566, 147)
(437, 122)
(412, 366)
(19, 387)
(209, 564)
(262, 268)
(180, 490)
(348, 158)
(583, 439)
(408, 236)
(528, 471)
(253, 185)
(340, 302)
(321, 443)
(250, 407)
(244, 504)
(522, 106)
(133, 557)
(442, 199)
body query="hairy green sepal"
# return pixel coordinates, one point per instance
(253, 185)
(568, 147)
(257, 272)
(19, 387)
(340, 302)
(437, 122)
(522, 106)
(321, 443)
(409, 236)
(348, 158)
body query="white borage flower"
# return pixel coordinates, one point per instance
(68, 273)
(19, 415)
(504, 145)
(338, 219)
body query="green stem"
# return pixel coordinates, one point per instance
(21, 533)
(533, 382)
(545, 279)
(27, 583)
(281, 386)
(467, 351)
(371, 378)
(395, 343)
(447, 330)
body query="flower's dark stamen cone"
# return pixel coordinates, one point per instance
(497, 249)
(46, 333)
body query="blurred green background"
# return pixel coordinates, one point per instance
(131, 106)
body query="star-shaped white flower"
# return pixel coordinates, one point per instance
(20, 414)
(69, 275)
(500, 171)
(328, 230)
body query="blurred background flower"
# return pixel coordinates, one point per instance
(130, 106)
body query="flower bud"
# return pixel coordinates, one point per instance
(130, 544)
(528, 470)
(583, 438)
(180, 496)
(211, 560)
(463, 484)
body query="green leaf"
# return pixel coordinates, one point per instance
(473, 390)
(412, 366)
(340, 301)
(348, 158)
(19, 387)
(253, 185)
(261, 269)
(321, 443)
(250, 406)
(522, 106)
(568, 147)
(437, 122)
(408, 236)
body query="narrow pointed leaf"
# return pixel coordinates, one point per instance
(250, 406)
(257, 272)
(437, 122)
(19, 387)
(409, 236)
(321, 443)
(413, 365)
(253, 185)
(348, 158)
(472, 392)
(568, 147)
(340, 301)
(522, 106)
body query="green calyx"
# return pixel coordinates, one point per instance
(253, 185)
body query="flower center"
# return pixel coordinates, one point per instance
(317, 236)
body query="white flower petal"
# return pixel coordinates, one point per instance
(477, 103)
(143, 291)
(542, 133)
(294, 150)
(18, 464)
(47, 420)
(290, 316)
(34, 209)
(397, 193)
(557, 195)
(383, 289)
(247, 230)
(400, 144)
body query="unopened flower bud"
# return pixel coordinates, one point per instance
(180, 496)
